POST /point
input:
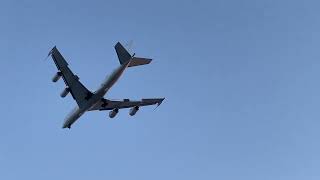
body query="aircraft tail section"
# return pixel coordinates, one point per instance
(124, 56)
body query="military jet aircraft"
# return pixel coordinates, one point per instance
(91, 101)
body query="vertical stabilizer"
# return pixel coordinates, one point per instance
(123, 54)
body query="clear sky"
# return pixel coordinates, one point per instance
(241, 81)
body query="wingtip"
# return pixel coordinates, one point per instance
(160, 102)
(50, 52)
(162, 99)
(54, 47)
(117, 44)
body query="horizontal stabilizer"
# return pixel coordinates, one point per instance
(137, 61)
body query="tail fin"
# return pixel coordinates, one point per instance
(124, 56)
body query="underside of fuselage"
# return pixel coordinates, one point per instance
(76, 113)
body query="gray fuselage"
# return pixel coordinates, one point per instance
(77, 112)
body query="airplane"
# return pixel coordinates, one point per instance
(93, 101)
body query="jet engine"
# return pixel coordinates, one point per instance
(64, 92)
(56, 77)
(133, 110)
(113, 113)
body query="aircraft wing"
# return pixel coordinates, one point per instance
(78, 91)
(105, 104)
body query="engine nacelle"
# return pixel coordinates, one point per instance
(64, 92)
(113, 113)
(133, 110)
(56, 77)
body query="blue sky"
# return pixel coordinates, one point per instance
(241, 81)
